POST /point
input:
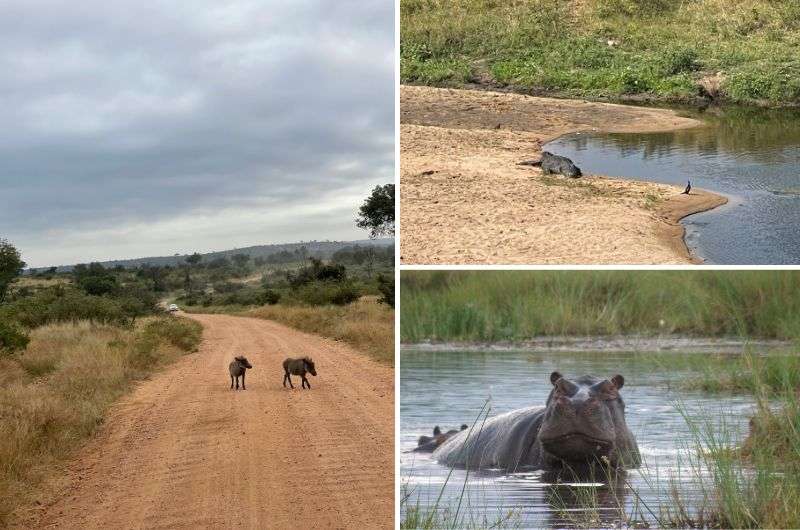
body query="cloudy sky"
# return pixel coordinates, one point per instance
(134, 128)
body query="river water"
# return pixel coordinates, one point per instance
(750, 155)
(449, 388)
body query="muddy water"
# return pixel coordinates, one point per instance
(449, 388)
(750, 155)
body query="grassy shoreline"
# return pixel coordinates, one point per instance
(366, 325)
(515, 306)
(740, 52)
(56, 393)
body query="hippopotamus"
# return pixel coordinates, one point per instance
(551, 163)
(582, 425)
(428, 444)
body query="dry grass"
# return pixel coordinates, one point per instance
(56, 393)
(366, 325)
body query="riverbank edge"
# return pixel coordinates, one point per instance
(674, 209)
(670, 231)
(677, 344)
(643, 99)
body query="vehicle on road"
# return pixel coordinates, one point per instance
(173, 307)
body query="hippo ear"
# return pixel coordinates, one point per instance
(555, 376)
(618, 381)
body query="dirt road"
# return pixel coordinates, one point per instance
(184, 451)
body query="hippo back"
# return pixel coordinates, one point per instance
(506, 441)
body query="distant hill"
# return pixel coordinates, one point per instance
(317, 249)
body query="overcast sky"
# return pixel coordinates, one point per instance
(133, 128)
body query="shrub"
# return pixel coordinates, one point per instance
(678, 60)
(95, 279)
(60, 304)
(324, 293)
(271, 297)
(12, 338)
(318, 271)
(386, 288)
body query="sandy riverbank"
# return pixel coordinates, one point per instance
(465, 200)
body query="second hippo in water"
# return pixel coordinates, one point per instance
(551, 163)
(582, 424)
(428, 444)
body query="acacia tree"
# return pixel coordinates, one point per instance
(11, 266)
(377, 212)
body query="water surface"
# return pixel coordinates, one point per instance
(449, 388)
(750, 155)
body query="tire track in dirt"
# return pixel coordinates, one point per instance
(184, 451)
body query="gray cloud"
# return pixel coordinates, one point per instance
(139, 128)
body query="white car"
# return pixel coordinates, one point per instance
(173, 307)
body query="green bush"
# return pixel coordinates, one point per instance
(12, 338)
(386, 288)
(60, 304)
(271, 297)
(678, 60)
(325, 293)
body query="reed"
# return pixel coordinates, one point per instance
(494, 306)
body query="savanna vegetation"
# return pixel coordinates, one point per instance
(349, 297)
(741, 51)
(69, 347)
(513, 306)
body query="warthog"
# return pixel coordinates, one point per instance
(428, 444)
(298, 367)
(582, 425)
(551, 163)
(237, 368)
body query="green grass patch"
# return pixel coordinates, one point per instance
(607, 48)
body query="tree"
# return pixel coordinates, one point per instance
(377, 212)
(386, 287)
(194, 259)
(192, 262)
(240, 260)
(95, 279)
(11, 266)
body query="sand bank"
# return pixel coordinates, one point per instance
(464, 199)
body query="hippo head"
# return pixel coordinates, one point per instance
(244, 362)
(584, 421)
(310, 366)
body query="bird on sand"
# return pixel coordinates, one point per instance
(688, 188)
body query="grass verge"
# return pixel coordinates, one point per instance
(366, 325)
(55, 393)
